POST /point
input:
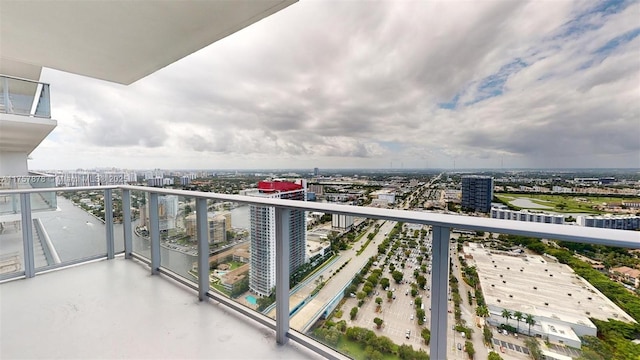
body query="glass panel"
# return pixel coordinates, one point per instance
(230, 252)
(43, 108)
(75, 231)
(17, 97)
(178, 245)
(140, 214)
(118, 230)
(378, 284)
(10, 204)
(11, 247)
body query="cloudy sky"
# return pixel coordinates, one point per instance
(363, 84)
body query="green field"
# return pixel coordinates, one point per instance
(356, 351)
(235, 264)
(563, 203)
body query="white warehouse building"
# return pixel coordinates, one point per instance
(524, 215)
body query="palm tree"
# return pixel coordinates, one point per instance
(482, 311)
(518, 316)
(531, 321)
(506, 314)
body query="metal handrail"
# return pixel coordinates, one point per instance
(610, 237)
(23, 79)
(441, 223)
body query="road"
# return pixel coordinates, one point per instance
(468, 315)
(336, 282)
(302, 319)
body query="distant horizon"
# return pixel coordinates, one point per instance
(629, 169)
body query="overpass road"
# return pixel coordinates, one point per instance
(335, 284)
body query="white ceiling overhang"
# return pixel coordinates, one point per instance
(23, 133)
(118, 41)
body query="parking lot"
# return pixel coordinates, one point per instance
(399, 314)
(510, 346)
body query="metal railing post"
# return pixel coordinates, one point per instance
(8, 109)
(108, 223)
(14, 198)
(439, 287)
(154, 233)
(283, 219)
(27, 235)
(203, 248)
(126, 222)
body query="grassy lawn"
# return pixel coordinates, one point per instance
(566, 203)
(220, 288)
(234, 264)
(356, 351)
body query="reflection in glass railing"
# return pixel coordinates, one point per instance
(11, 248)
(178, 240)
(229, 259)
(10, 203)
(24, 97)
(75, 231)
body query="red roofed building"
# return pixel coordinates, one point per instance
(262, 273)
(627, 274)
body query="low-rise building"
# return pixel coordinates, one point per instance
(610, 222)
(627, 275)
(526, 215)
(560, 302)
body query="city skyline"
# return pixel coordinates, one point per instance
(391, 85)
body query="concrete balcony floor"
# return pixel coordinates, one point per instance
(116, 309)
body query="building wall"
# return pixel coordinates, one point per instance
(544, 327)
(262, 274)
(216, 225)
(621, 222)
(217, 229)
(340, 221)
(477, 193)
(505, 214)
(167, 211)
(13, 163)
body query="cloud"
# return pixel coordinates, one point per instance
(351, 84)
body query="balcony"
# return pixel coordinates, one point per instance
(24, 97)
(25, 120)
(10, 204)
(117, 289)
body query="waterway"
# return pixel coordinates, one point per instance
(240, 217)
(528, 204)
(76, 234)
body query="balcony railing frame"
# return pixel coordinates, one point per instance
(441, 226)
(41, 97)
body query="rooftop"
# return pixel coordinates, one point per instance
(541, 286)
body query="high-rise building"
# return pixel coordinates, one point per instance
(316, 171)
(262, 274)
(477, 193)
(340, 221)
(215, 223)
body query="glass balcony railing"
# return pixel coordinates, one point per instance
(10, 204)
(24, 97)
(389, 282)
